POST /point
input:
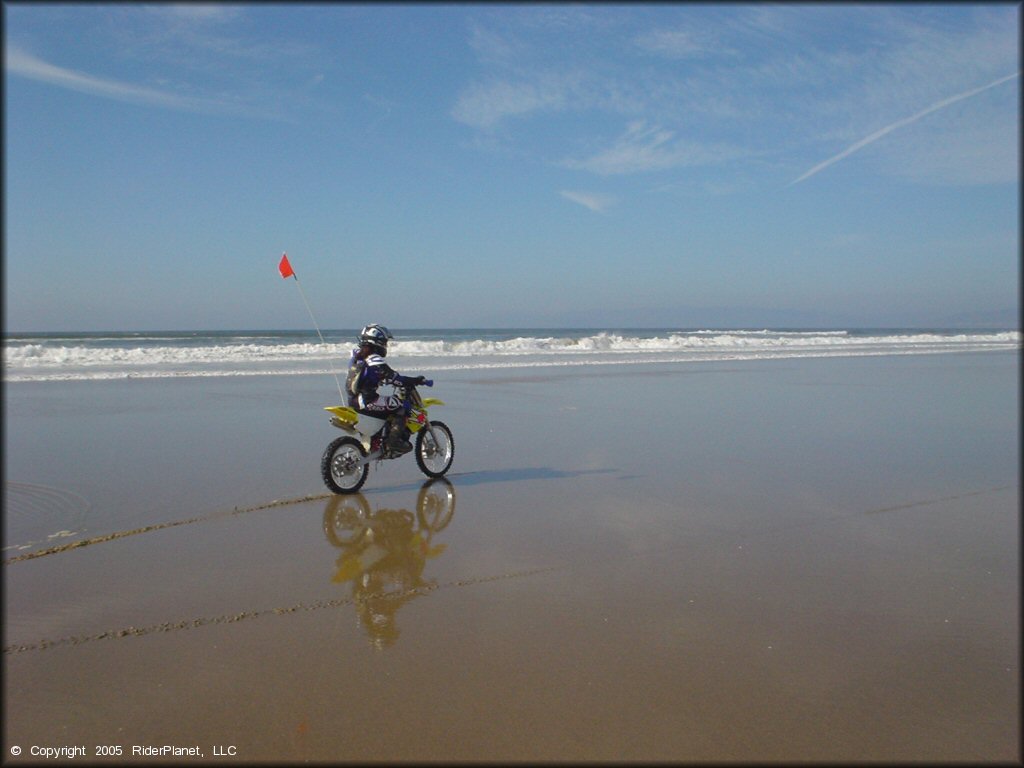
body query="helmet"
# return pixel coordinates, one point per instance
(377, 337)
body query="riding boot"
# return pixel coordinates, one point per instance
(397, 434)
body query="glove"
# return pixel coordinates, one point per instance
(428, 382)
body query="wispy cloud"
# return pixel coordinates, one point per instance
(198, 58)
(901, 124)
(680, 44)
(706, 86)
(595, 202)
(239, 96)
(201, 12)
(484, 106)
(650, 148)
(23, 64)
(205, 38)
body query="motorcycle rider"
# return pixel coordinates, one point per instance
(367, 371)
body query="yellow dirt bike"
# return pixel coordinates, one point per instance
(346, 461)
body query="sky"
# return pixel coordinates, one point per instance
(524, 165)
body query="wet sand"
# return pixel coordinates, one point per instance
(811, 560)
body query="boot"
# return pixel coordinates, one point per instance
(398, 434)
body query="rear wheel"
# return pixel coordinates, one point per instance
(343, 466)
(435, 449)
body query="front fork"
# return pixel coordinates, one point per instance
(430, 431)
(427, 426)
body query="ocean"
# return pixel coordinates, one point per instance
(173, 354)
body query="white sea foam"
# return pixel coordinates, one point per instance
(701, 340)
(195, 355)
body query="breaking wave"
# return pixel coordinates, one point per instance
(39, 357)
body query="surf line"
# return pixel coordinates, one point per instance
(318, 605)
(160, 526)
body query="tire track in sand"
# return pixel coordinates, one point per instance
(160, 526)
(233, 618)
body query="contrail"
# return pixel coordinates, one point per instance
(899, 124)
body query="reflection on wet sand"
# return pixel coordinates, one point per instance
(385, 551)
(384, 554)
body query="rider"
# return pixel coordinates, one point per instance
(367, 371)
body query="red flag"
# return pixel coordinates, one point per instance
(285, 266)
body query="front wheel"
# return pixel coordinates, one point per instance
(343, 466)
(435, 504)
(435, 449)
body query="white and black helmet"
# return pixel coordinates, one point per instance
(377, 336)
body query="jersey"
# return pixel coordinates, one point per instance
(365, 375)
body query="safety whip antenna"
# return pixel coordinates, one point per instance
(286, 270)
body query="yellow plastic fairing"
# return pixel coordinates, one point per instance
(343, 413)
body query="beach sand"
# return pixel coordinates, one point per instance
(755, 561)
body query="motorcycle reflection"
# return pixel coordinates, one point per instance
(384, 553)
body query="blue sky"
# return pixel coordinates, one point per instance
(524, 165)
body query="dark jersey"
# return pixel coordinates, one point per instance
(365, 375)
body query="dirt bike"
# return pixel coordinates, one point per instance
(346, 461)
